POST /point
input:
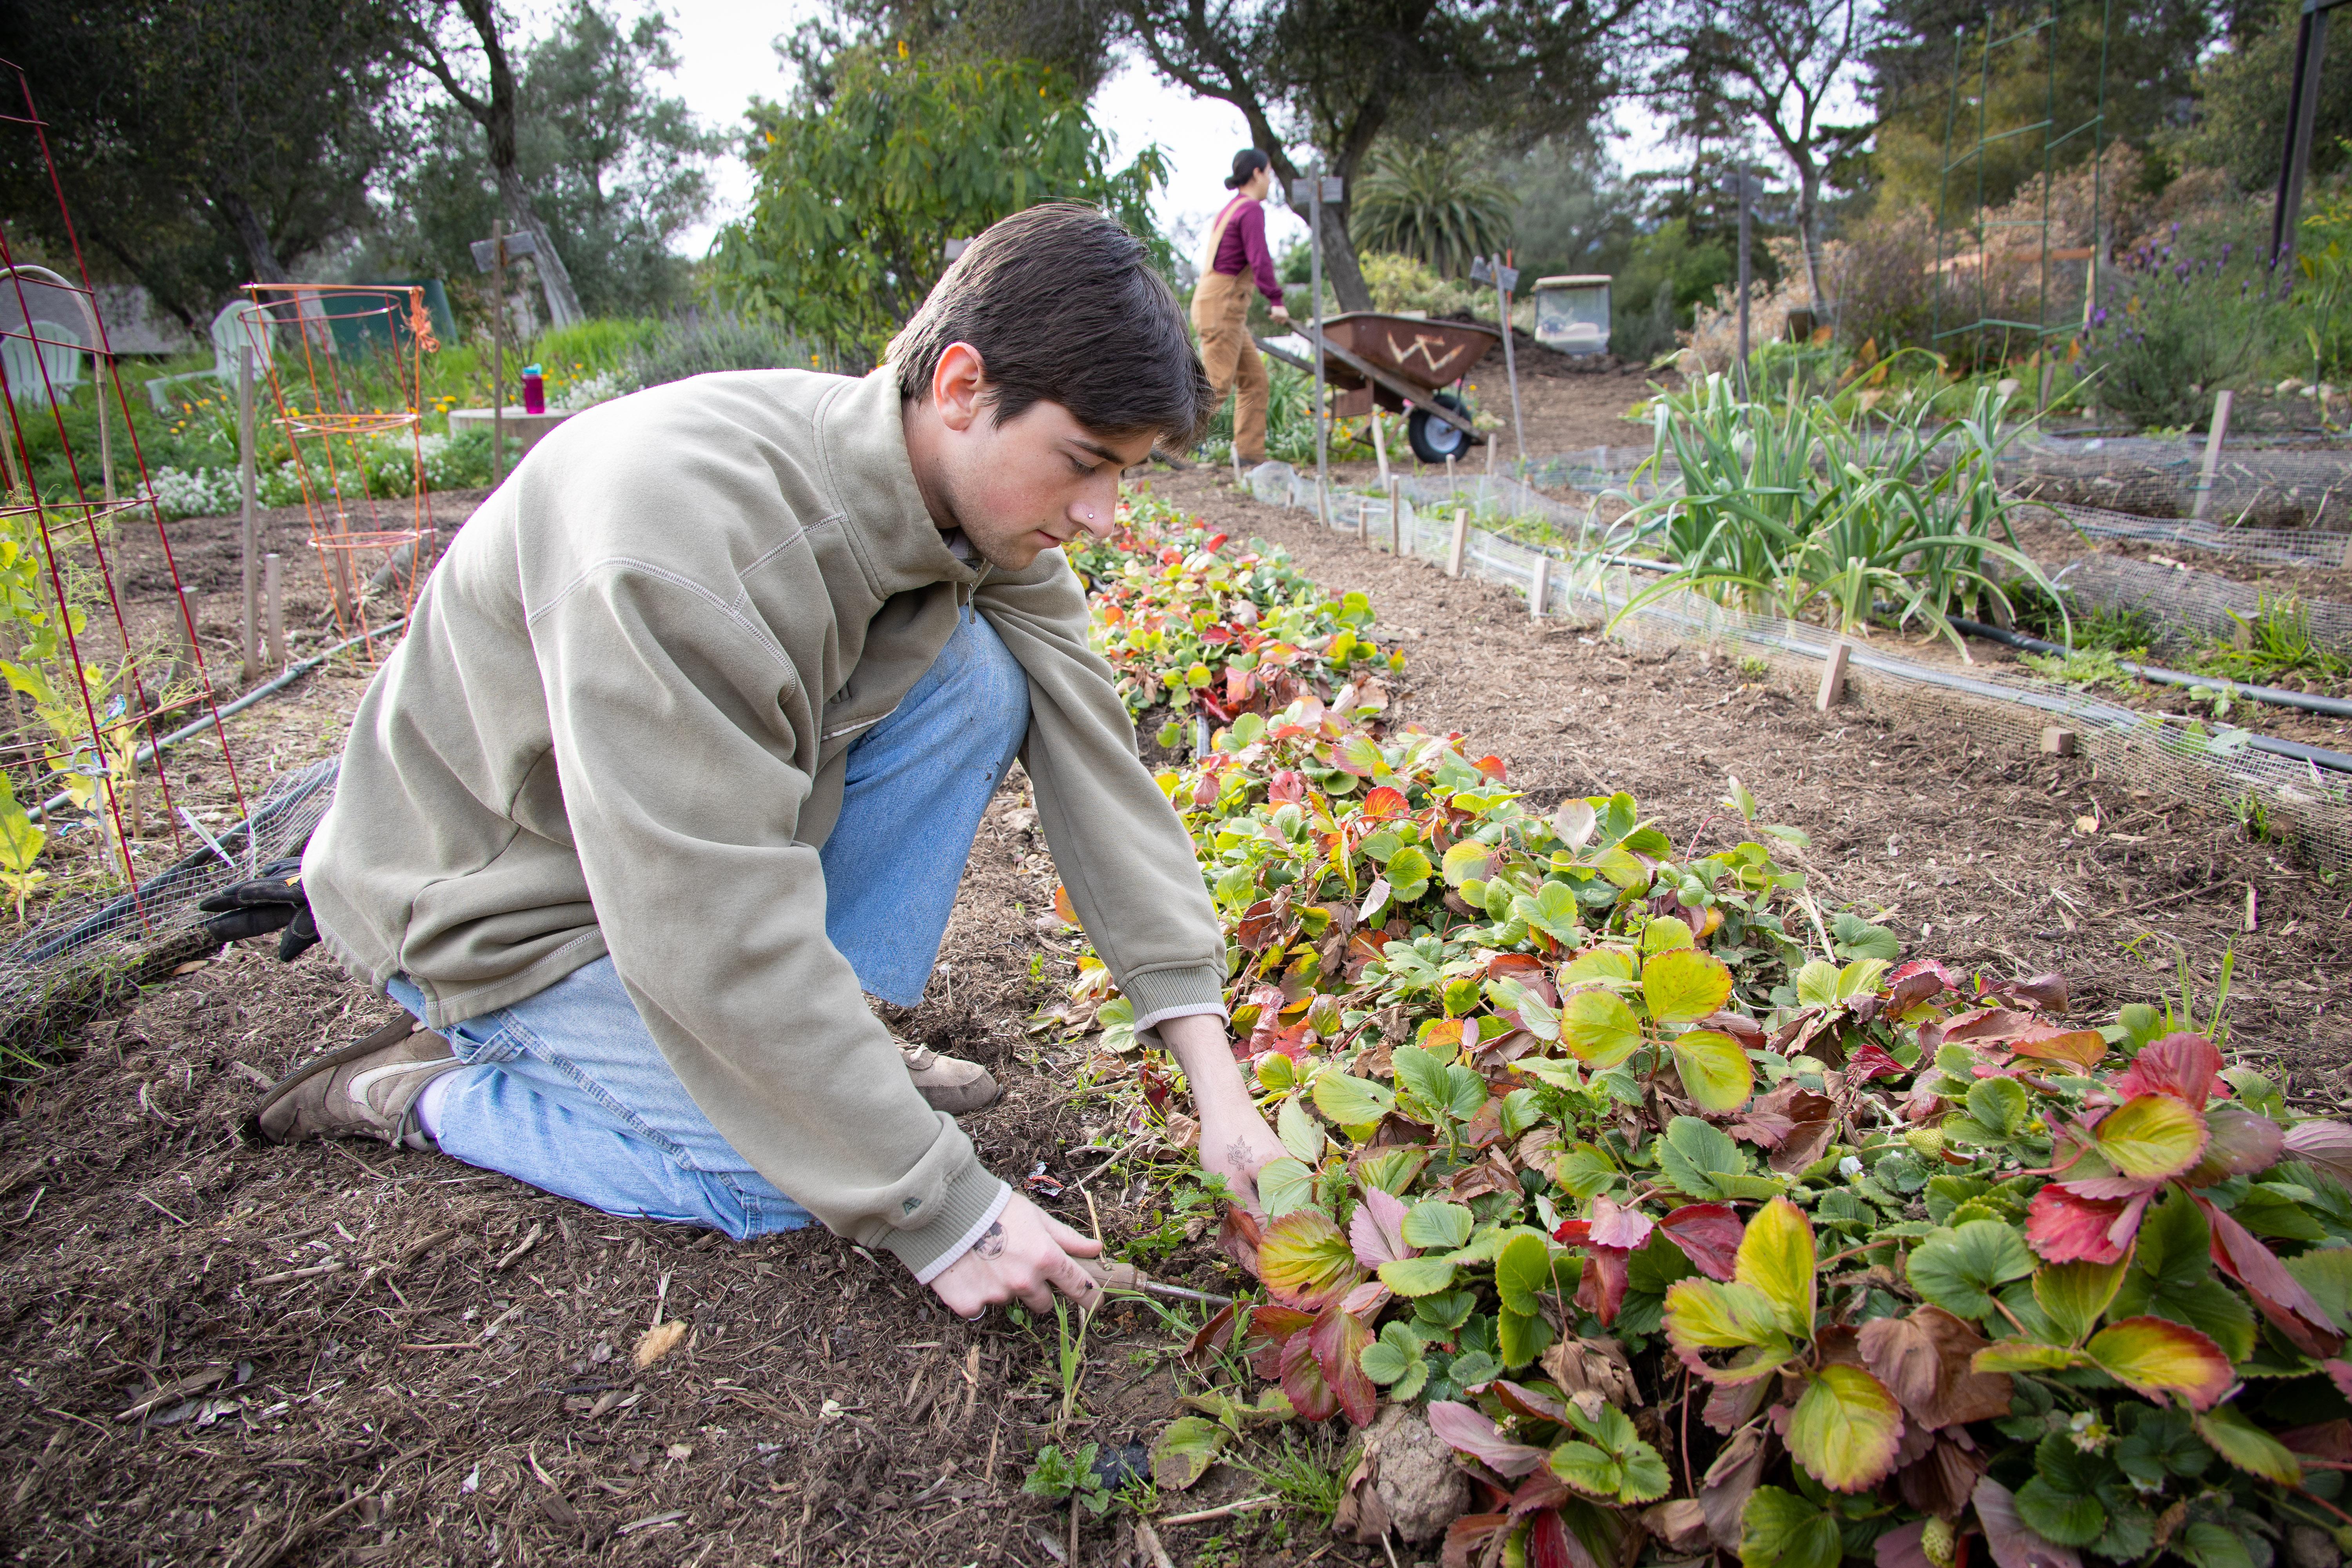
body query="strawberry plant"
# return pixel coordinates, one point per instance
(1695, 1220)
(1188, 628)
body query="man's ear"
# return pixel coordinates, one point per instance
(958, 386)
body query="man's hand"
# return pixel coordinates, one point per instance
(1027, 1255)
(1279, 312)
(1236, 1142)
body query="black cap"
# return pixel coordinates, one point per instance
(1247, 164)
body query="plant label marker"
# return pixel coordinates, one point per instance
(2213, 439)
(2058, 741)
(1540, 588)
(1833, 676)
(1461, 539)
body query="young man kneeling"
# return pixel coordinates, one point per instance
(685, 748)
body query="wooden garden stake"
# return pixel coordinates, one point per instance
(498, 352)
(1833, 676)
(250, 647)
(1363, 520)
(2213, 439)
(1380, 446)
(1396, 518)
(187, 628)
(2058, 741)
(1540, 589)
(106, 374)
(273, 581)
(1461, 538)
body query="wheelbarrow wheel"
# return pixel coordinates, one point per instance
(1434, 440)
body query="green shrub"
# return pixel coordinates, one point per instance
(706, 343)
(2174, 322)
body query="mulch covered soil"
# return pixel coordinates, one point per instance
(349, 1354)
(225, 1353)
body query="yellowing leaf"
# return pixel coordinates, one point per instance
(1665, 933)
(2154, 1357)
(1466, 859)
(1704, 1315)
(1183, 1454)
(2022, 1355)
(1306, 1260)
(1714, 1068)
(1845, 1428)
(1776, 1259)
(1598, 1028)
(1597, 964)
(2248, 1446)
(1683, 985)
(2151, 1135)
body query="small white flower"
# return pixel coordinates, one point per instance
(1850, 1167)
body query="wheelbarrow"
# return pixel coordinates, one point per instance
(1401, 363)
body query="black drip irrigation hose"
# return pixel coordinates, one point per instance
(292, 673)
(2333, 707)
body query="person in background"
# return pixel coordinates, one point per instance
(1237, 257)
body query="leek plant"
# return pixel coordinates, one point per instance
(1802, 509)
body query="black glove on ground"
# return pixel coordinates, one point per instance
(271, 901)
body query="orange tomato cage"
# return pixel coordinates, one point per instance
(344, 366)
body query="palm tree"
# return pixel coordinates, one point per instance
(1433, 200)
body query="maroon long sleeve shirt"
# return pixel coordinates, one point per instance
(1243, 246)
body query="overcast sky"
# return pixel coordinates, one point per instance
(727, 57)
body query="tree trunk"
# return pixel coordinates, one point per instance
(251, 238)
(1809, 202)
(497, 117)
(1340, 269)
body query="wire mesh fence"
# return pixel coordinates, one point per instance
(2290, 798)
(86, 952)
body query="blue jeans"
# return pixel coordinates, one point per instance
(566, 1089)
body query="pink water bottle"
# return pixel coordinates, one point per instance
(534, 391)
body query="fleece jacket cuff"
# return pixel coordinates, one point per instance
(971, 1198)
(1173, 992)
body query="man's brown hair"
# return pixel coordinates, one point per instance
(1063, 306)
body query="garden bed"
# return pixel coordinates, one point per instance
(157, 1244)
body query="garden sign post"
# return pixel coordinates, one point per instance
(491, 256)
(1316, 189)
(1506, 278)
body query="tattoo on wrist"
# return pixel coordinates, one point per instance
(992, 1241)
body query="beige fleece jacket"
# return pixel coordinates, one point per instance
(618, 723)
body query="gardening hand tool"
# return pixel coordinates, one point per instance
(1127, 1279)
(271, 901)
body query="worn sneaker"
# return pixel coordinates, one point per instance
(365, 1091)
(949, 1083)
